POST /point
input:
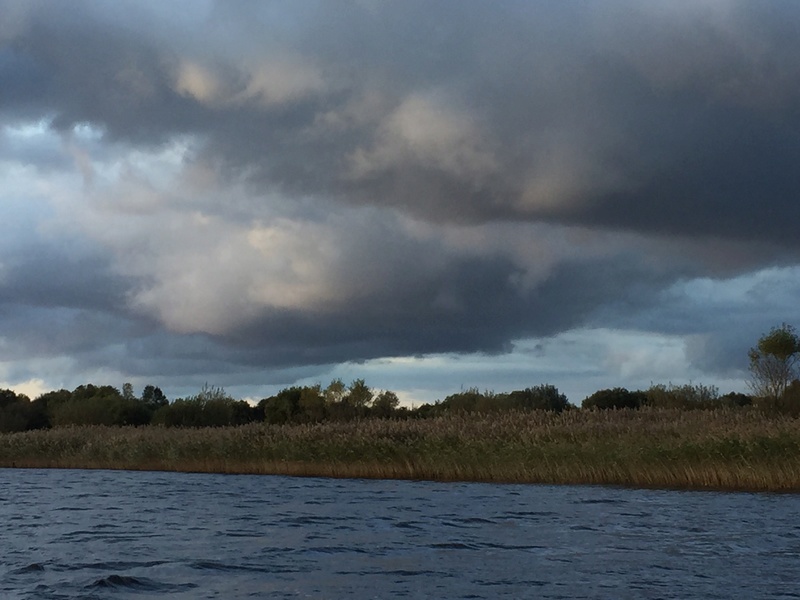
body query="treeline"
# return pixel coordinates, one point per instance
(686, 397)
(213, 407)
(85, 405)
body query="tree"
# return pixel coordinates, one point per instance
(335, 392)
(312, 404)
(465, 401)
(385, 404)
(359, 394)
(282, 407)
(774, 362)
(153, 397)
(127, 391)
(18, 413)
(540, 397)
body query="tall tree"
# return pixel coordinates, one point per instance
(774, 362)
(385, 403)
(335, 392)
(359, 394)
(153, 397)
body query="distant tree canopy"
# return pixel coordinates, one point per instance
(211, 407)
(98, 405)
(85, 405)
(615, 398)
(311, 404)
(542, 397)
(18, 413)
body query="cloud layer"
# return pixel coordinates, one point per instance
(254, 192)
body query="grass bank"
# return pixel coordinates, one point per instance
(724, 449)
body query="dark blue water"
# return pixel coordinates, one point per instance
(107, 534)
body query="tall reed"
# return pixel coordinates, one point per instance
(724, 449)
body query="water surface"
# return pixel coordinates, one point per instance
(68, 534)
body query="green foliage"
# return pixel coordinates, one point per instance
(540, 397)
(614, 398)
(466, 401)
(18, 413)
(283, 407)
(774, 362)
(385, 404)
(95, 405)
(735, 400)
(335, 392)
(359, 394)
(787, 404)
(311, 404)
(687, 396)
(211, 407)
(153, 397)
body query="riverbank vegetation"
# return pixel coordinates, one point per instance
(686, 436)
(737, 449)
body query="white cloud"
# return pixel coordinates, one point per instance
(31, 388)
(268, 82)
(192, 79)
(427, 131)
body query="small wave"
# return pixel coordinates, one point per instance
(513, 582)
(496, 546)
(407, 525)
(338, 550)
(454, 546)
(124, 581)
(31, 568)
(138, 584)
(412, 573)
(602, 501)
(481, 520)
(583, 528)
(531, 513)
(213, 565)
(468, 523)
(113, 565)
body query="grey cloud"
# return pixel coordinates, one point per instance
(473, 306)
(669, 123)
(580, 120)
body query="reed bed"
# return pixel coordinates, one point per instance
(723, 449)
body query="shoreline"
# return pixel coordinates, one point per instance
(303, 471)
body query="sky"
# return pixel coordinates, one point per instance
(431, 196)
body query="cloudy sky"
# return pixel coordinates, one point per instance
(428, 195)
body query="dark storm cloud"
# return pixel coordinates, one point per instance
(474, 307)
(649, 118)
(61, 277)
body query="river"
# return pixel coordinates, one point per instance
(68, 534)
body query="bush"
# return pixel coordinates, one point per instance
(686, 396)
(541, 397)
(787, 404)
(614, 398)
(212, 407)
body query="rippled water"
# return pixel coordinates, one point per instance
(106, 534)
